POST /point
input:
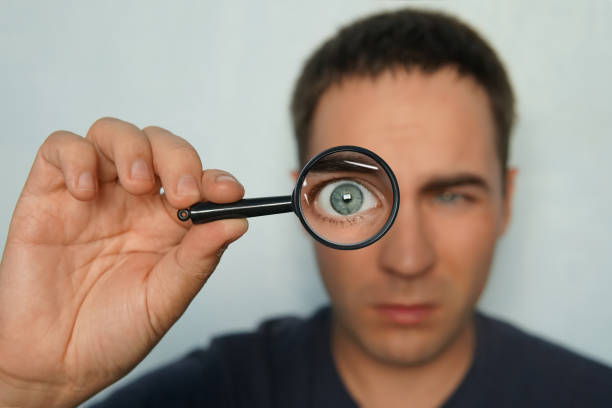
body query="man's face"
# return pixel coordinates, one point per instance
(406, 297)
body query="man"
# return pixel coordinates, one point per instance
(88, 285)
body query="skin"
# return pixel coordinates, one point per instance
(96, 266)
(436, 132)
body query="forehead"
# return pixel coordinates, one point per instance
(421, 123)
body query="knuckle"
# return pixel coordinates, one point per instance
(57, 142)
(56, 137)
(172, 147)
(183, 150)
(67, 150)
(100, 124)
(84, 151)
(154, 129)
(165, 136)
(75, 147)
(113, 128)
(116, 139)
(188, 156)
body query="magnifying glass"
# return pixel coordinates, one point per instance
(346, 197)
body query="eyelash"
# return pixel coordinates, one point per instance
(343, 221)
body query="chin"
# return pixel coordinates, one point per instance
(404, 347)
(407, 345)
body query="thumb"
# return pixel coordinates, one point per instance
(182, 272)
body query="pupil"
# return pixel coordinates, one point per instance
(346, 199)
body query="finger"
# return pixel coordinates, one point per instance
(217, 186)
(220, 186)
(125, 152)
(178, 166)
(178, 277)
(65, 160)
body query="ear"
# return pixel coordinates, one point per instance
(508, 197)
(294, 175)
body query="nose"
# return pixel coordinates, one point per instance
(407, 250)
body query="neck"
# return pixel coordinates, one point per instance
(375, 383)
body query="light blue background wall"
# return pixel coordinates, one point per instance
(220, 74)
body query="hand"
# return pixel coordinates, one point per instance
(96, 266)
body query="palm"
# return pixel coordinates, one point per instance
(97, 258)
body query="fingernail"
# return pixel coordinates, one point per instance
(225, 177)
(86, 182)
(140, 170)
(187, 186)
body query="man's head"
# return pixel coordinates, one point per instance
(427, 94)
(408, 40)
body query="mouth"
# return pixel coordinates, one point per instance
(404, 314)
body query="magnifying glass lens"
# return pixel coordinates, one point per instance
(346, 198)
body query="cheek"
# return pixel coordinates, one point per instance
(344, 272)
(465, 245)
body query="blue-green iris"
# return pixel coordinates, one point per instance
(346, 199)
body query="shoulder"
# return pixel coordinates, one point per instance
(509, 342)
(249, 362)
(280, 353)
(277, 333)
(537, 369)
(194, 380)
(283, 332)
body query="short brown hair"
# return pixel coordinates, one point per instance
(405, 39)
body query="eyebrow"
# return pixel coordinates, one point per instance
(344, 163)
(458, 180)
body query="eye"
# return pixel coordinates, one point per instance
(448, 197)
(345, 197)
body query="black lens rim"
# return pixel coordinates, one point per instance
(297, 205)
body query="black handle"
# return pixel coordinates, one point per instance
(200, 213)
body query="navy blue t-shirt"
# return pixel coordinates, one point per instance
(288, 363)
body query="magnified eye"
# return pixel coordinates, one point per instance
(345, 197)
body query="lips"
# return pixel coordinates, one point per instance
(405, 315)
